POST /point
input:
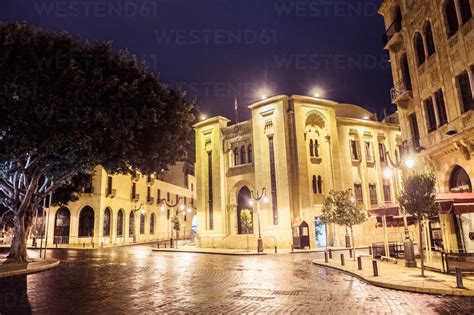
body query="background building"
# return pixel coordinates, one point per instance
(121, 209)
(298, 148)
(431, 46)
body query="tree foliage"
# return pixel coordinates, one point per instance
(68, 105)
(341, 209)
(418, 195)
(246, 220)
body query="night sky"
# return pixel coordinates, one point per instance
(218, 49)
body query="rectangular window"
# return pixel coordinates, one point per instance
(466, 13)
(441, 107)
(273, 180)
(109, 185)
(373, 194)
(414, 130)
(430, 114)
(134, 190)
(465, 91)
(355, 150)
(382, 152)
(386, 193)
(211, 205)
(148, 193)
(368, 151)
(158, 195)
(358, 193)
(168, 197)
(177, 198)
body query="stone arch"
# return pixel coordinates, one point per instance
(458, 180)
(107, 224)
(243, 197)
(315, 118)
(152, 223)
(62, 224)
(120, 222)
(86, 222)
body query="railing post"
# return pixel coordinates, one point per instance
(330, 253)
(359, 262)
(342, 259)
(375, 267)
(459, 283)
(326, 260)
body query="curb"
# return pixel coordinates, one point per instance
(452, 292)
(208, 253)
(14, 273)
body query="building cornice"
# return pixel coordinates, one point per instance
(209, 121)
(367, 123)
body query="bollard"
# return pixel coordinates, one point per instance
(459, 283)
(84, 245)
(276, 250)
(56, 245)
(102, 244)
(158, 245)
(291, 247)
(326, 260)
(350, 253)
(330, 253)
(342, 259)
(376, 269)
(92, 244)
(359, 262)
(166, 245)
(370, 250)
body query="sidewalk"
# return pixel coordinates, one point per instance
(215, 251)
(396, 276)
(36, 265)
(81, 247)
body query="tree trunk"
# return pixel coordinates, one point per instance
(420, 229)
(21, 231)
(353, 244)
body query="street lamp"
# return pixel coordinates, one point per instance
(256, 199)
(181, 207)
(388, 173)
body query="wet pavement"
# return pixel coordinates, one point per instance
(136, 280)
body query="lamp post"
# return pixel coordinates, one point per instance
(256, 199)
(179, 207)
(388, 173)
(134, 226)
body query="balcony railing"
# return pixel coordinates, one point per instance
(401, 91)
(392, 34)
(135, 197)
(410, 146)
(150, 200)
(111, 193)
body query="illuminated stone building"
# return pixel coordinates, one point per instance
(431, 47)
(298, 148)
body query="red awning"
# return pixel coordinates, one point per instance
(388, 210)
(395, 221)
(456, 203)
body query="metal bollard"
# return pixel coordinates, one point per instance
(350, 253)
(459, 283)
(359, 262)
(342, 259)
(330, 253)
(326, 260)
(84, 245)
(92, 244)
(376, 269)
(370, 250)
(291, 247)
(276, 250)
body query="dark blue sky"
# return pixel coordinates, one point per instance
(217, 49)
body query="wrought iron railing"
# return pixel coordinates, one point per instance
(401, 87)
(391, 31)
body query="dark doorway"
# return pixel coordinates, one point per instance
(243, 198)
(86, 222)
(61, 226)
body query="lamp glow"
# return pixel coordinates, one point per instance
(162, 208)
(203, 117)
(251, 202)
(263, 97)
(387, 173)
(410, 163)
(189, 210)
(265, 199)
(181, 206)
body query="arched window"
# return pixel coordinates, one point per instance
(131, 224)
(420, 49)
(236, 156)
(315, 189)
(249, 153)
(397, 16)
(311, 147)
(320, 185)
(430, 45)
(405, 72)
(86, 222)
(61, 226)
(466, 13)
(152, 224)
(120, 223)
(452, 23)
(316, 148)
(107, 220)
(459, 180)
(142, 223)
(243, 155)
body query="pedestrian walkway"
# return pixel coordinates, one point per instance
(216, 251)
(15, 269)
(396, 276)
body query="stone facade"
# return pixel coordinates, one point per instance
(298, 148)
(110, 195)
(431, 46)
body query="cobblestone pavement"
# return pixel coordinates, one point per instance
(135, 280)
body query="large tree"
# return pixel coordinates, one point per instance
(341, 208)
(67, 105)
(417, 198)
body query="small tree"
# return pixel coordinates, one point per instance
(340, 208)
(176, 226)
(417, 198)
(246, 222)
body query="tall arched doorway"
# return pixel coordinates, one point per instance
(120, 223)
(459, 180)
(243, 198)
(86, 222)
(107, 221)
(61, 226)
